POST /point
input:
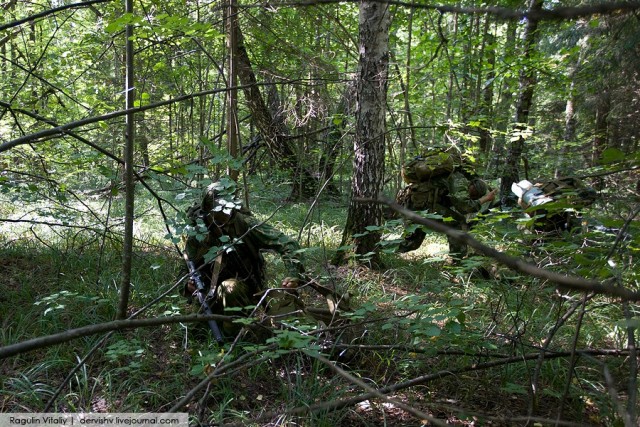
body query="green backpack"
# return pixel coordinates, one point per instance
(431, 164)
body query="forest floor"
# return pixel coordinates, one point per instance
(445, 344)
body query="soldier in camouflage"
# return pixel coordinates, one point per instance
(228, 250)
(554, 205)
(454, 195)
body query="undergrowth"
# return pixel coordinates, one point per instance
(461, 343)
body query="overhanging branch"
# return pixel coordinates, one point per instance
(555, 14)
(50, 12)
(571, 282)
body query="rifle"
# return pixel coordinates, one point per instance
(202, 297)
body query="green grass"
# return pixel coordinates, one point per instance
(438, 318)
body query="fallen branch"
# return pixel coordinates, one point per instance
(72, 334)
(343, 403)
(565, 281)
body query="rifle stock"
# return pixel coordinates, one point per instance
(202, 297)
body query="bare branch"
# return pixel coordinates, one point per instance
(48, 12)
(556, 14)
(72, 334)
(416, 413)
(516, 264)
(343, 403)
(61, 130)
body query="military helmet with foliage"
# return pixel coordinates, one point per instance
(220, 197)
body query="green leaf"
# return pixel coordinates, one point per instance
(431, 331)
(611, 155)
(514, 388)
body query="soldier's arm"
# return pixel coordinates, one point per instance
(270, 238)
(459, 195)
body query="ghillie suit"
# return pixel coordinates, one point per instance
(225, 242)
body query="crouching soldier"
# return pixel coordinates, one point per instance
(225, 244)
(448, 189)
(554, 205)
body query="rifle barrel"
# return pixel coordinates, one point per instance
(202, 297)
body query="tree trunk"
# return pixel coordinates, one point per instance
(502, 111)
(274, 132)
(127, 246)
(334, 139)
(232, 107)
(600, 137)
(570, 124)
(369, 144)
(525, 98)
(332, 145)
(452, 75)
(486, 89)
(406, 89)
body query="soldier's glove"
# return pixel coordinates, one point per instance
(188, 290)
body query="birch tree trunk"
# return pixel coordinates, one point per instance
(369, 142)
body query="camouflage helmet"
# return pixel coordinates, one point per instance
(220, 197)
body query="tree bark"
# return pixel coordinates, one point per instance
(274, 132)
(600, 137)
(570, 125)
(232, 109)
(369, 143)
(502, 110)
(127, 246)
(486, 89)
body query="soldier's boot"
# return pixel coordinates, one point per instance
(412, 241)
(234, 293)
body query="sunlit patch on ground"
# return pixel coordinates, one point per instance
(436, 250)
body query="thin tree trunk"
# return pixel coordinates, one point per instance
(503, 107)
(127, 246)
(232, 110)
(452, 76)
(406, 89)
(143, 144)
(486, 89)
(570, 124)
(334, 139)
(601, 133)
(527, 87)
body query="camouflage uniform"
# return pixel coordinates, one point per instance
(243, 237)
(446, 195)
(574, 194)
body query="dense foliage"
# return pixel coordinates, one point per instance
(427, 334)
